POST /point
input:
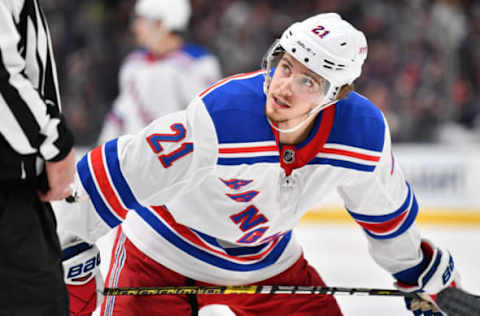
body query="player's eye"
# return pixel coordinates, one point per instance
(286, 71)
(307, 82)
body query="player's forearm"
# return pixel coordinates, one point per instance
(399, 253)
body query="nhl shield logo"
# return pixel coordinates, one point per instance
(288, 156)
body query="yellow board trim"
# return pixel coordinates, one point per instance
(426, 216)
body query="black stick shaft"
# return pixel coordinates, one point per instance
(453, 301)
(253, 289)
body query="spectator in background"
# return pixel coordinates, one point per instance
(418, 50)
(466, 93)
(33, 138)
(164, 74)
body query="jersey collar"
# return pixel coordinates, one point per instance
(297, 156)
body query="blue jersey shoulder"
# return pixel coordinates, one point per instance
(138, 53)
(358, 123)
(237, 107)
(195, 50)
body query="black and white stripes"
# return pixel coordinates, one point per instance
(31, 123)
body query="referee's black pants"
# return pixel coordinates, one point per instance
(31, 274)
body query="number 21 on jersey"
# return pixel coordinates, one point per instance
(179, 133)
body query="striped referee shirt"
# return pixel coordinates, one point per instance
(31, 124)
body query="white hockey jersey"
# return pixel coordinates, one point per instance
(152, 86)
(210, 193)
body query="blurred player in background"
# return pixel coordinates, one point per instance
(164, 74)
(211, 195)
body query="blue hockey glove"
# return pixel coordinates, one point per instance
(439, 274)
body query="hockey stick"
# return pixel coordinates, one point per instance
(454, 302)
(252, 289)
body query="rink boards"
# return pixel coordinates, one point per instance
(426, 216)
(445, 179)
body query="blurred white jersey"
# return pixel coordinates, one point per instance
(152, 86)
(210, 193)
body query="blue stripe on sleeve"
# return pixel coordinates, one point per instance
(383, 218)
(248, 160)
(412, 214)
(86, 177)
(341, 163)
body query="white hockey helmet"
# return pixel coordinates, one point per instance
(327, 45)
(174, 14)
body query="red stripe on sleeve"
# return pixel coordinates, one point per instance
(349, 154)
(384, 227)
(103, 183)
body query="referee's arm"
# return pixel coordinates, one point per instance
(29, 98)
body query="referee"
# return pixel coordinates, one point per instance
(36, 165)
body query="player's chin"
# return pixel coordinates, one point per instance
(275, 116)
(271, 111)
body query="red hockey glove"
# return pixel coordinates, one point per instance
(83, 278)
(439, 274)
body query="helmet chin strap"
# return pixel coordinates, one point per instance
(310, 114)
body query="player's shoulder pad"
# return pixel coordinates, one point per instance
(358, 123)
(237, 107)
(195, 50)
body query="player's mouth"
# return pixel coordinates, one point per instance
(279, 103)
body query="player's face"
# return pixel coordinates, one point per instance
(147, 32)
(293, 92)
(140, 28)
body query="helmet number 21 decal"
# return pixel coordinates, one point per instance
(320, 31)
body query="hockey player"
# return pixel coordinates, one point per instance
(164, 74)
(211, 195)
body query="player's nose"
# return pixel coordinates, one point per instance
(285, 87)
